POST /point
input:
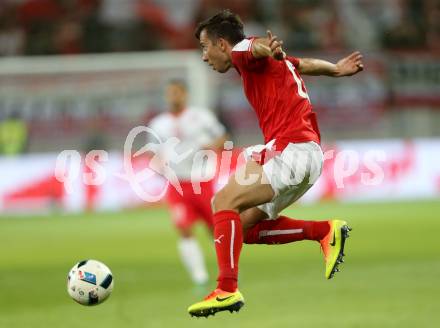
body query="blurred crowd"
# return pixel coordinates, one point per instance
(42, 27)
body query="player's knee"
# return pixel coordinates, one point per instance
(225, 200)
(220, 201)
(185, 232)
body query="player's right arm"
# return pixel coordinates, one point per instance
(154, 146)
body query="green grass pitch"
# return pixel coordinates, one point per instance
(391, 277)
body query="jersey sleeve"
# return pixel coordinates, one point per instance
(211, 123)
(293, 60)
(152, 136)
(155, 126)
(243, 59)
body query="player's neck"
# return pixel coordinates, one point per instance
(176, 111)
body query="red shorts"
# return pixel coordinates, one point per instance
(186, 209)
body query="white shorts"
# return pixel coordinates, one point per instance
(290, 173)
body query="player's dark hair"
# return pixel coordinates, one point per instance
(179, 82)
(225, 24)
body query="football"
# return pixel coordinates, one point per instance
(90, 282)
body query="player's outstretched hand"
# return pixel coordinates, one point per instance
(275, 46)
(350, 65)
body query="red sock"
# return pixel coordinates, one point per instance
(285, 230)
(228, 236)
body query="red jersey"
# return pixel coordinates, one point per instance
(278, 95)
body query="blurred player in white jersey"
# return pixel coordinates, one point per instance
(196, 129)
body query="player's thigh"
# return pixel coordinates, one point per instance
(202, 204)
(247, 188)
(182, 214)
(291, 174)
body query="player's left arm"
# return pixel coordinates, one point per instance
(217, 143)
(269, 46)
(347, 66)
(217, 132)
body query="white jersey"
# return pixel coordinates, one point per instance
(195, 128)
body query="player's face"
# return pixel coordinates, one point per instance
(176, 96)
(215, 53)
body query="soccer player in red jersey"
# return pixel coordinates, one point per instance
(277, 173)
